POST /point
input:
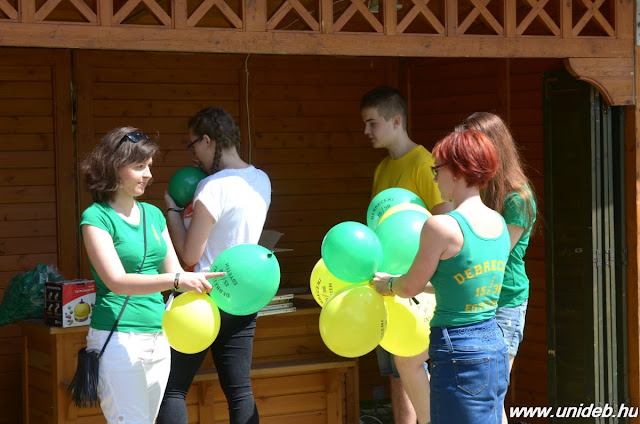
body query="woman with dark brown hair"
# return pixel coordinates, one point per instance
(132, 261)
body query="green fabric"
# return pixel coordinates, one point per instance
(143, 313)
(515, 288)
(468, 285)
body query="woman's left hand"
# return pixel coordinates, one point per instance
(381, 283)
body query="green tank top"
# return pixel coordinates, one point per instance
(468, 285)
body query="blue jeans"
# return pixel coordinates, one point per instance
(469, 373)
(511, 320)
(232, 351)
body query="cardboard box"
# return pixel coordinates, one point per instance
(269, 239)
(69, 303)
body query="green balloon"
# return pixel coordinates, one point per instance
(386, 199)
(253, 278)
(351, 251)
(183, 184)
(399, 236)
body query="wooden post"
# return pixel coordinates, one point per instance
(390, 17)
(255, 16)
(632, 170)
(326, 16)
(66, 182)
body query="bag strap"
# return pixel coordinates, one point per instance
(115, 324)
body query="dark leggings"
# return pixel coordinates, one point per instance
(231, 351)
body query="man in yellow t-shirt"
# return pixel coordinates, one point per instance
(384, 112)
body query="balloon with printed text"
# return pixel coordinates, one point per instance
(252, 279)
(353, 321)
(408, 329)
(385, 200)
(352, 252)
(191, 323)
(324, 284)
(183, 184)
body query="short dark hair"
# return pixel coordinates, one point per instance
(468, 154)
(388, 101)
(101, 167)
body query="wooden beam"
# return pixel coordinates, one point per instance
(141, 38)
(612, 77)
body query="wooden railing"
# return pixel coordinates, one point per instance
(414, 28)
(502, 18)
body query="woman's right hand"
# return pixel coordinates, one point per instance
(197, 281)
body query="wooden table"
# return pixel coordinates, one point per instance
(296, 378)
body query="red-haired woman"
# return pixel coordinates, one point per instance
(462, 256)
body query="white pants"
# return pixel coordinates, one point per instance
(134, 370)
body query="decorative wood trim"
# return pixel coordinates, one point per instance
(140, 38)
(612, 77)
(480, 9)
(8, 10)
(358, 6)
(421, 7)
(537, 10)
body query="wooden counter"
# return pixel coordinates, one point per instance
(296, 379)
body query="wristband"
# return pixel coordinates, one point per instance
(176, 281)
(179, 210)
(390, 284)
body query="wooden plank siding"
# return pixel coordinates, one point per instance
(300, 122)
(30, 115)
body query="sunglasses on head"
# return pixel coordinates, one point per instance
(134, 137)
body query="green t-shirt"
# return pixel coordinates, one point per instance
(515, 289)
(143, 313)
(468, 285)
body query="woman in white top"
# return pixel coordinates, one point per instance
(229, 208)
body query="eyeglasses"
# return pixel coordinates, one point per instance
(436, 168)
(190, 145)
(134, 137)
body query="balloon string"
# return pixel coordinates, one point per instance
(170, 301)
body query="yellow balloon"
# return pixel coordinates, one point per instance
(402, 207)
(408, 327)
(353, 321)
(323, 283)
(192, 323)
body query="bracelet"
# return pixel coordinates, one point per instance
(179, 210)
(390, 284)
(176, 281)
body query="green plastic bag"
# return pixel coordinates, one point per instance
(24, 296)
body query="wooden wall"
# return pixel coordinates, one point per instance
(33, 115)
(300, 122)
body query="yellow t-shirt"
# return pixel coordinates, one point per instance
(412, 172)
